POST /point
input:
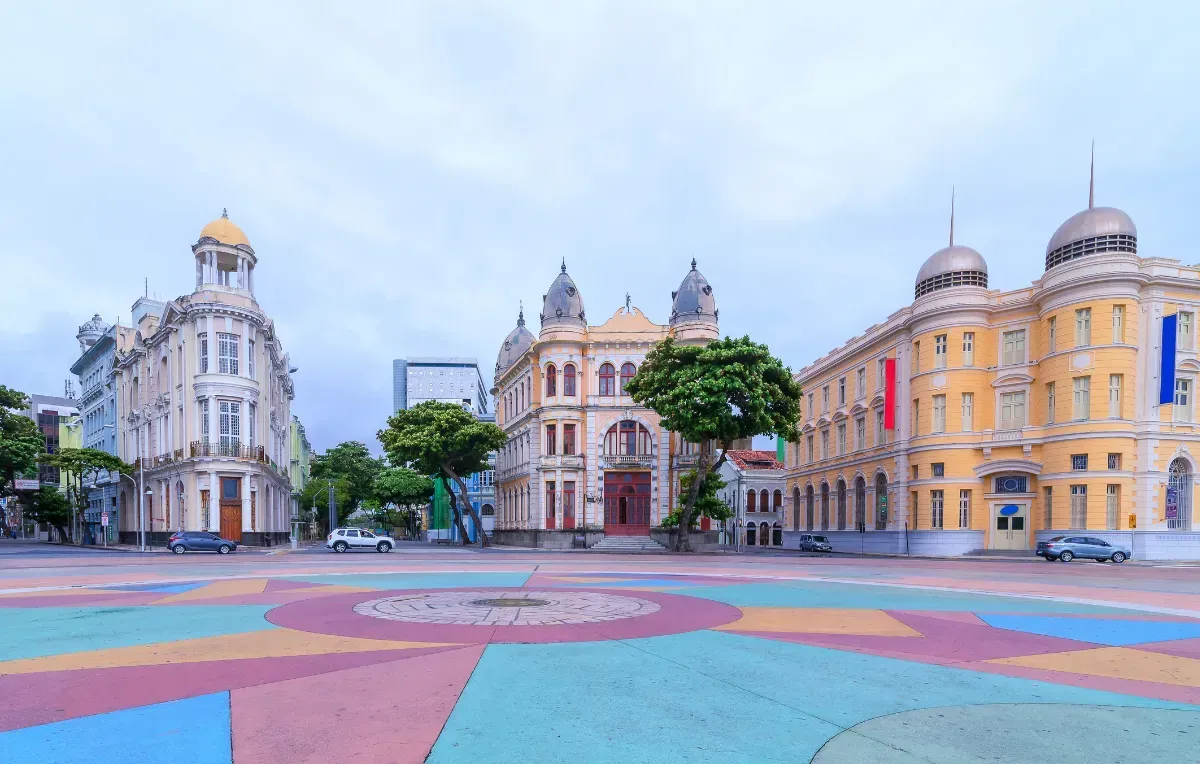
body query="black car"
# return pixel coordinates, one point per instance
(199, 541)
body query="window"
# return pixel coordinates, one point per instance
(936, 507)
(627, 372)
(841, 391)
(825, 443)
(227, 353)
(1050, 403)
(1114, 461)
(968, 412)
(1083, 397)
(250, 359)
(551, 439)
(808, 442)
(1078, 506)
(939, 413)
(964, 509)
(825, 399)
(939, 351)
(203, 346)
(811, 409)
(1048, 509)
(607, 380)
(916, 417)
(1012, 484)
(1112, 505)
(968, 348)
(1114, 395)
(860, 389)
(1083, 327)
(569, 379)
(916, 356)
(1182, 410)
(1079, 461)
(880, 432)
(204, 420)
(551, 501)
(880, 373)
(915, 514)
(916, 469)
(1053, 334)
(1014, 347)
(231, 426)
(1118, 324)
(841, 439)
(1012, 411)
(569, 439)
(568, 503)
(1184, 331)
(860, 433)
(939, 469)
(551, 381)
(251, 413)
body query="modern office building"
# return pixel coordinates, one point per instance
(451, 380)
(976, 418)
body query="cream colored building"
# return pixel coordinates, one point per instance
(581, 453)
(205, 401)
(1019, 414)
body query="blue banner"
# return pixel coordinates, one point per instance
(1166, 371)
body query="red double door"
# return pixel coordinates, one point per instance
(627, 503)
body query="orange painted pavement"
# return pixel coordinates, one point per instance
(1117, 663)
(819, 621)
(228, 588)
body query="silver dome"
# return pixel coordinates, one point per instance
(515, 344)
(1093, 223)
(92, 331)
(952, 259)
(694, 301)
(563, 305)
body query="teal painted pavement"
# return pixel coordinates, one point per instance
(34, 632)
(837, 595)
(670, 699)
(190, 731)
(420, 580)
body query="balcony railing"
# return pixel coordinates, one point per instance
(999, 436)
(203, 448)
(568, 461)
(686, 460)
(627, 460)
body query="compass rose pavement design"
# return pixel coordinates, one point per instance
(604, 661)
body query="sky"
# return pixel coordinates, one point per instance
(409, 172)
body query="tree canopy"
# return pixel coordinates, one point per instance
(402, 487)
(82, 465)
(352, 463)
(708, 504)
(716, 394)
(50, 507)
(21, 442)
(445, 441)
(316, 493)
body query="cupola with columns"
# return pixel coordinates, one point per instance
(224, 257)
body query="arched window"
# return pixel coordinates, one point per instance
(796, 508)
(628, 438)
(1180, 483)
(764, 534)
(860, 502)
(824, 506)
(880, 502)
(777, 501)
(551, 381)
(751, 498)
(810, 510)
(607, 379)
(627, 372)
(841, 505)
(569, 379)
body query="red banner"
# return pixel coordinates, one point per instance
(889, 394)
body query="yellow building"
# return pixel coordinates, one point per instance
(1019, 415)
(580, 452)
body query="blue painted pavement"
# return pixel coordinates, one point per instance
(1104, 631)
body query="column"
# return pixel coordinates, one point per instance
(246, 502)
(214, 420)
(212, 343)
(899, 509)
(214, 503)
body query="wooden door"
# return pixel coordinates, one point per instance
(231, 509)
(627, 503)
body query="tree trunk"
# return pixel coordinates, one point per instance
(462, 490)
(683, 542)
(456, 514)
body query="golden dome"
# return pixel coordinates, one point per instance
(223, 230)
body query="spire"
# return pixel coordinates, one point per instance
(521, 315)
(564, 265)
(1092, 178)
(952, 216)
(693, 263)
(225, 213)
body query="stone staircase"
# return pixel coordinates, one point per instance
(628, 544)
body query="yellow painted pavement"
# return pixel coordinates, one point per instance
(65, 593)
(269, 643)
(820, 621)
(230, 588)
(1116, 663)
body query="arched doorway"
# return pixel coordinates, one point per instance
(796, 508)
(627, 503)
(860, 502)
(841, 505)
(1179, 494)
(824, 506)
(777, 534)
(881, 502)
(764, 534)
(750, 534)
(810, 509)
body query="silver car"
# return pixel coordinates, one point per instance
(1067, 548)
(814, 543)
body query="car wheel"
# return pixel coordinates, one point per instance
(1118, 557)
(178, 549)
(224, 549)
(1066, 557)
(383, 547)
(340, 546)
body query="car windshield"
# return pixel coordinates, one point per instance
(820, 539)
(1058, 538)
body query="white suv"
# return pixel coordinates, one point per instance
(344, 539)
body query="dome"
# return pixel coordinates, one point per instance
(91, 331)
(515, 344)
(952, 266)
(563, 305)
(1091, 232)
(694, 301)
(223, 230)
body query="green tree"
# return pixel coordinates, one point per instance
(314, 501)
(49, 506)
(707, 503)
(443, 440)
(21, 442)
(352, 463)
(400, 491)
(713, 395)
(78, 466)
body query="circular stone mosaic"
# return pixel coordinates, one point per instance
(507, 608)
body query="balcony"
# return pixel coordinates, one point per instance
(565, 461)
(1004, 436)
(626, 461)
(686, 461)
(205, 449)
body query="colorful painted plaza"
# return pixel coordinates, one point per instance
(460, 656)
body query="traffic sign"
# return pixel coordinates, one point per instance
(104, 519)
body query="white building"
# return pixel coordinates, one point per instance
(450, 380)
(755, 484)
